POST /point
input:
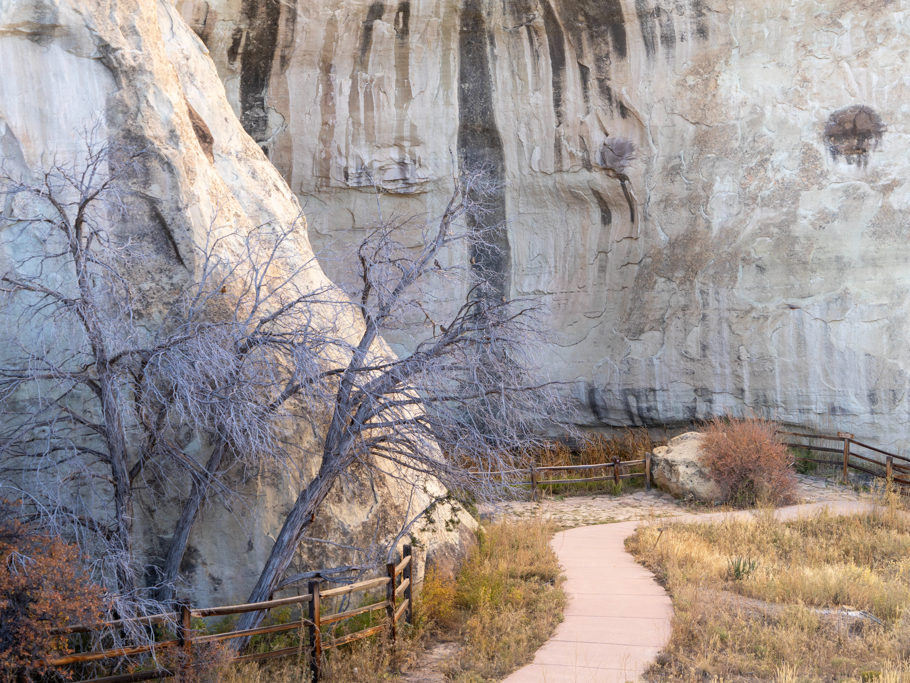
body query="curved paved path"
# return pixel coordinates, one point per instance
(618, 617)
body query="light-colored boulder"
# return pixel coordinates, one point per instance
(134, 73)
(677, 469)
(765, 268)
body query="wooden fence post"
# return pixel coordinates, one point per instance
(390, 599)
(846, 437)
(889, 469)
(648, 471)
(616, 471)
(315, 632)
(185, 639)
(409, 575)
(533, 483)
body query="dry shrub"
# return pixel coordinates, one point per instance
(435, 607)
(41, 587)
(748, 461)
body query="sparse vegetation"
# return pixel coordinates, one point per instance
(631, 444)
(42, 586)
(504, 603)
(820, 599)
(749, 462)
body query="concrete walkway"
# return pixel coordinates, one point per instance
(618, 617)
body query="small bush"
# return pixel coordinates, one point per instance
(41, 587)
(436, 605)
(748, 462)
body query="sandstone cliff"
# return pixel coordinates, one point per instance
(133, 72)
(762, 264)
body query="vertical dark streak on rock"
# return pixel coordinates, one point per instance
(361, 116)
(480, 147)
(288, 29)
(534, 43)
(585, 74)
(585, 153)
(587, 22)
(166, 231)
(327, 105)
(648, 27)
(594, 403)
(233, 51)
(403, 93)
(627, 193)
(606, 216)
(701, 24)
(667, 31)
(261, 18)
(557, 48)
(377, 9)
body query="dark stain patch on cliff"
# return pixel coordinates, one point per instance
(597, 33)
(374, 14)
(659, 25)
(403, 92)
(648, 26)
(327, 103)
(606, 216)
(203, 134)
(853, 132)
(261, 17)
(556, 45)
(701, 22)
(603, 21)
(667, 30)
(479, 142)
(403, 21)
(585, 75)
(236, 45)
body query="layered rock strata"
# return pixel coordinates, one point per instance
(754, 260)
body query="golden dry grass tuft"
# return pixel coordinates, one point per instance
(509, 599)
(820, 599)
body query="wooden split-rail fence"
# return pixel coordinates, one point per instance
(615, 471)
(312, 641)
(851, 455)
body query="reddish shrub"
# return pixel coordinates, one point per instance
(748, 461)
(41, 587)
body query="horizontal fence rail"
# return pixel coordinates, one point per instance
(315, 639)
(615, 468)
(886, 465)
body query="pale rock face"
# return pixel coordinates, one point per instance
(677, 469)
(134, 73)
(765, 267)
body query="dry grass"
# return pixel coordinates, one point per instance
(631, 444)
(748, 461)
(765, 600)
(508, 600)
(504, 603)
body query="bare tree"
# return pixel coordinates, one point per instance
(95, 406)
(98, 403)
(462, 407)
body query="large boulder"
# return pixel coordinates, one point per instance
(677, 469)
(133, 73)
